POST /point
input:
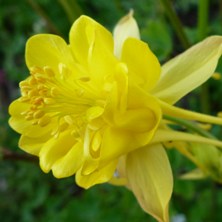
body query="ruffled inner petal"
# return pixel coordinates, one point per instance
(68, 164)
(54, 149)
(100, 175)
(144, 67)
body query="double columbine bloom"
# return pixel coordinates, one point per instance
(95, 107)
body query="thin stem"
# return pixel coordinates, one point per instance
(175, 21)
(220, 11)
(189, 125)
(205, 98)
(52, 28)
(202, 33)
(202, 18)
(72, 9)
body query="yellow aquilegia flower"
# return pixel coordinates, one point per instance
(81, 108)
(94, 107)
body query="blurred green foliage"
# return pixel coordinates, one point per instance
(26, 193)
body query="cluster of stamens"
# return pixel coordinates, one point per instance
(38, 91)
(57, 99)
(42, 93)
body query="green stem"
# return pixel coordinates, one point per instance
(220, 11)
(205, 98)
(175, 21)
(72, 9)
(189, 125)
(52, 28)
(202, 33)
(202, 18)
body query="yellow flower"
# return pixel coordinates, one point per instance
(94, 107)
(81, 107)
(146, 171)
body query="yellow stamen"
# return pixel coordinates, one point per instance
(45, 120)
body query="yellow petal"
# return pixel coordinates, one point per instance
(142, 114)
(117, 142)
(54, 149)
(144, 67)
(125, 28)
(150, 178)
(47, 49)
(68, 165)
(100, 175)
(85, 33)
(32, 145)
(119, 177)
(188, 70)
(21, 125)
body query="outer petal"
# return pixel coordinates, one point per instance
(68, 165)
(144, 68)
(55, 149)
(188, 70)
(150, 178)
(47, 49)
(32, 145)
(125, 28)
(101, 175)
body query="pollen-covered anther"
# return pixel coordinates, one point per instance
(48, 71)
(40, 87)
(49, 101)
(32, 93)
(24, 99)
(32, 81)
(85, 79)
(54, 92)
(38, 114)
(42, 92)
(38, 101)
(25, 87)
(29, 117)
(23, 84)
(45, 120)
(34, 70)
(40, 78)
(63, 127)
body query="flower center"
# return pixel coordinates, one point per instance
(59, 99)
